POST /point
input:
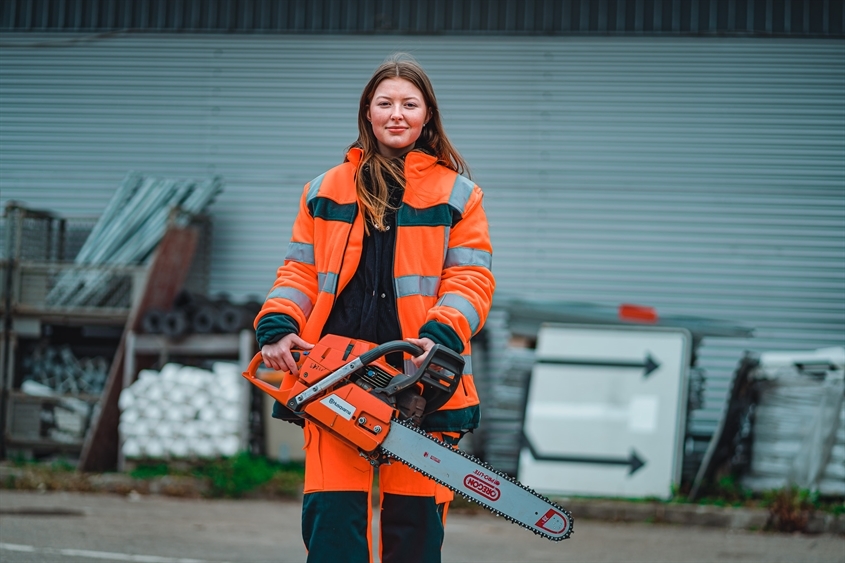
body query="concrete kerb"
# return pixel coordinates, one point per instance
(734, 518)
(115, 483)
(686, 514)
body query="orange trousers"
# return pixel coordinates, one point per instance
(338, 495)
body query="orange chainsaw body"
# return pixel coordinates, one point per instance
(329, 354)
(361, 404)
(367, 424)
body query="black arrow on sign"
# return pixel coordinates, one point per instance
(633, 460)
(648, 365)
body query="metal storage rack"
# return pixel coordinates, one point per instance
(36, 258)
(37, 253)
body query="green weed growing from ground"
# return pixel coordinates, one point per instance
(233, 477)
(727, 491)
(789, 508)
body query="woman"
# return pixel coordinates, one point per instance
(390, 244)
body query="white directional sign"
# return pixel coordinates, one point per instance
(606, 410)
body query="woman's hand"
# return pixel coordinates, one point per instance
(426, 344)
(277, 355)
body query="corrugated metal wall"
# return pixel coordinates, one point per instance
(699, 176)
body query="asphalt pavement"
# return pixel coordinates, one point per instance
(76, 527)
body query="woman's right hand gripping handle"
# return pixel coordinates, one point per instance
(278, 354)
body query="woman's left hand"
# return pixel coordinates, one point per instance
(426, 344)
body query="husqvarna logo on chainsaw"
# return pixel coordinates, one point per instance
(484, 485)
(338, 405)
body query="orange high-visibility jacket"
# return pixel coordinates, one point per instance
(442, 258)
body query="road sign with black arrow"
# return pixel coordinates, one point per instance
(605, 411)
(648, 365)
(632, 462)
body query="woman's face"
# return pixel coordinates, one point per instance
(397, 114)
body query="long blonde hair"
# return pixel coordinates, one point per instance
(433, 139)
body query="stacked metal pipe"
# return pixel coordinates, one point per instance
(128, 231)
(59, 369)
(503, 387)
(198, 314)
(182, 412)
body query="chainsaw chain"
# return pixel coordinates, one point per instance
(488, 468)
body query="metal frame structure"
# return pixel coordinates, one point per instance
(802, 18)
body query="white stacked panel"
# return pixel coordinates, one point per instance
(799, 426)
(67, 420)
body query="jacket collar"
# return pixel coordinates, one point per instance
(417, 163)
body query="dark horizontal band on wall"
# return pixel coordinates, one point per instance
(817, 18)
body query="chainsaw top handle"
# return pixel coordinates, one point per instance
(366, 358)
(389, 348)
(299, 356)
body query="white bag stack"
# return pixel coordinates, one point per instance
(183, 412)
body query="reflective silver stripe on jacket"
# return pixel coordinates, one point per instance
(467, 364)
(292, 294)
(465, 256)
(463, 306)
(416, 285)
(327, 281)
(458, 198)
(314, 187)
(461, 190)
(300, 252)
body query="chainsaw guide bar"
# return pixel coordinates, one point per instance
(477, 481)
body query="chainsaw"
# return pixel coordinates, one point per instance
(348, 388)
